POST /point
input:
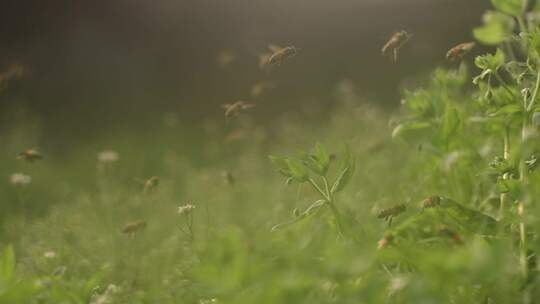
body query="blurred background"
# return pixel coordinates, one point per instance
(93, 65)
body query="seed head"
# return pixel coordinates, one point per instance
(186, 209)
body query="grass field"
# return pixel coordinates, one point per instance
(435, 202)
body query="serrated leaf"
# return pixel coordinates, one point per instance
(347, 168)
(318, 161)
(281, 165)
(497, 28)
(297, 170)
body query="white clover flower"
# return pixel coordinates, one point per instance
(108, 156)
(50, 254)
(20, 179)
(186, 209)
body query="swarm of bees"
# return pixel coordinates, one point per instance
(134, 227)
(396, 41)
(234, 109)
(389, 213)
(30, 155)
(459, 51)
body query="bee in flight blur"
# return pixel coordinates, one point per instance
(388, 214)
(149, 184)
(459, 51)
(235, 108)
(278, 55)
(30, 155)
(132, 228)
(396, 41)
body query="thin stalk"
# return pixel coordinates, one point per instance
(535, 93)
(321, 192)
(328, 196)
(506, 156)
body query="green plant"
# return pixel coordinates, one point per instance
(309, 167)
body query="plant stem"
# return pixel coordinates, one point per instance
(328, 197)
(534, 95)
(506, 156)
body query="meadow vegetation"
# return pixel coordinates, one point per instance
(436, 203)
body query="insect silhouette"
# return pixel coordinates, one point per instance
(30, 155)
(134, 227)
(261, 87)
(389, 213)
(149, 184)
(280, 54)
(451, 234)
(431, 202)
(396, 41)
(234, 109)
(459, 51)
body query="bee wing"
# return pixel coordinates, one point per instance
(274, 48)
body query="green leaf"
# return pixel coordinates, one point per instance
(497, 28)
(511, 7)
(297, 170)
(490, 61)
(407, 127)
(451, 122)
(318, 161)
(281, 164)
(347, 168)
(509, 109)
(7, 265)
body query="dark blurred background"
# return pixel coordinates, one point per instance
(104, 63)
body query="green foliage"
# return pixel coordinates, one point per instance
(497, 28)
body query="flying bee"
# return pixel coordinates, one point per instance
(30, 155)
(150, 184)
(132, 228)
(280, 54)
(449, 233)
(431, 202)
(260, 87)
(385, 241)
(389, 213)
(235, 108)
(396, 41)
(225, 57)
(459, 51)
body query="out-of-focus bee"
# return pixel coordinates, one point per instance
(431, 202)
(389, 213)
(280, 54)
(150, 184)
(30, 155)
(228, 177)
(385, 241)
(225, 57)
(14, 71)
(459, 51)
(235, 108)
(449, 233)
(235, 135)
(260, 87)
(396, 41)
(132, 228)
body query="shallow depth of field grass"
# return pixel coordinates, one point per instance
(441, 208)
